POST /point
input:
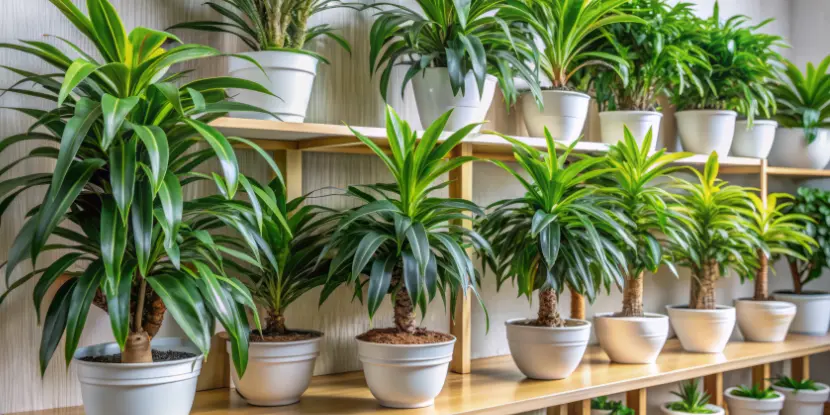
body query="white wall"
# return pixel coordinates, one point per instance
(811, 36)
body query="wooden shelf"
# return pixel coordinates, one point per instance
(797, 173)
(495, 385)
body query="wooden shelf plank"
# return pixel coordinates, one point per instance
(495, 385)
(794, 172)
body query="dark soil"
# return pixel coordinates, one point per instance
(158, 356)
(393, 336)
(290, 336)
(535, 323)
(804, 292)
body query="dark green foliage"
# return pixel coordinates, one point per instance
(692, 400)
(804, 98)
(755, 392)
(815, 203)
(796, 385)
(616, 407)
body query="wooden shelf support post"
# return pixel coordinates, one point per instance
(800, 368)
(461, 186)
(713, 385)
(580, 408)
(290, 163)
(637, 400)
(557, 410)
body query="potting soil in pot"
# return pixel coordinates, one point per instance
(158, 356)
(394, 336)
(289, 336)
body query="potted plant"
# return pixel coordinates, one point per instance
(566, 31)
(654, 53)
(812, 307)
(632, 335)
(278, 35)
(692, 401)
(804, 110)
(456, 53)
(760, 318)
(713, 238)
(742, 400)
(403, 240)
(801, 397)
(560, 234)
(115, 201)
(604, 406)
(736, 80)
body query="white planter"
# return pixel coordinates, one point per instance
(612, 124)
(636, 340)
(138, 388)
(278, 372)
(747, 406)
(812, 314)
(600, 411)
(764, 321)
(702, 331)
(547, 352)
(288, 75)
(705, 131)
(405, 375)
(433, 96)
(717, 410)
(791, 149)
(564, 114)
(755, 141)
(804, 402)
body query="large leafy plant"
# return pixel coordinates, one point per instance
(692, 400)
(128, 141)
(561, 233)
(804, 98)
(814, 203)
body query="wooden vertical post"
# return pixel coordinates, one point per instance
(558, 410)
(461, 186)
(713, 385)
(580, 408)
(761, 375)
(290, 163)
(800, 368)
(637, 400)
(216, 371)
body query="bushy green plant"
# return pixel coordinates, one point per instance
(815, 203)
(804, 98)
(755, 392)
(796, 385)
(692, 400)
(616, 407)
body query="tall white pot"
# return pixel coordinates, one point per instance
(812, 314)
(702, 331)
(791, 149)
(764, 321)
(547, 352)
(434, 97)
(804, 402)
(634, 340)
(564, 114)
(278, 372)
(755, 141)
(705, 131)
(138, 388)
(739, 405)
(612, 124)
(288, 75)
(405, 375)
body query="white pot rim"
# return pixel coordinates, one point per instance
(162, 346)
(631, 112)
(488, 77)
(758, 122)
(583, 324)
(318, 337)
(274, 52)
(774, 303)
(409, 346)
(685, 307)
(645, 317)
(728, 392)
(816, 295)
(562, 92)
(707, 112)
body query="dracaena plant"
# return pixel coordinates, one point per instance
(561, 233)
(402, 240)
(128, 140)
(804, 98)
(462, 36)
(814, 203)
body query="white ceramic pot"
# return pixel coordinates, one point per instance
(636, 340)
(716, 410)
(812, 314)
(278, 372)
(748, 406)
(612, 124)
(547, 352)
(405, 375)
(564, 114)
(433, 97)
(804, 402)
(764, 321)
(755, 141)
(790, 149)
(702, 331)
(138, 388)
(288, 75)
(601, 411)
(705, 131)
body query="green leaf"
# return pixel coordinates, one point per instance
(141, 219)
(77, 72)
(113, 240)
(379, 280)
(55, 270)
(155, 142)
(122, 175)
(419, 244)
(55, 323)
(82, 296)
(86, 113)
(223, 150)
(118, 289)
(549, 242)
(109, 31)
(170, 196)
(115, 111)
(171, 93)
(412, 277)
(21, 247)
(184, 302)
(366, 249)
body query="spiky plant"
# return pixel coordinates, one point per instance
(796, 385)
(804, 98)
(692, 400)
(754, 392)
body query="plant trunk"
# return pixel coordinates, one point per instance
(548, 313)
(761, 284)
(404, 312)
(275, 323)
(633, 297)
(796, 277)
(137, 349)
(577, 305)
(703, 287)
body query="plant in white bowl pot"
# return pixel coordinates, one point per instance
(457, 52)
(402, 241)
(713, 238)
(561, 234)
(692, 401)
(742, 400)
(604, 406)
(803, 99)
(278, 35)
(802, 397)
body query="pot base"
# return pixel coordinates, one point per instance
(764, 321)
(702, 331)
(399, 405)
(631, 340)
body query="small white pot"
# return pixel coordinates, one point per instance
(804, 402)
(288, 75)
(547, 352)
(612, 124)
(138, 388)
(564, 114)
(405, 375)
(635, 340)
(790, 149)
(705, 131)
(278, 372)
(755, 141)
(702, 331)
(739, 405)
(601, 411)
(764, 321)
(433, 97)
(812, 314)
(717, 410)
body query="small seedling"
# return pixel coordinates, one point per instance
(692, 400)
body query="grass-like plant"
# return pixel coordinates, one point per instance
(128, 142)
(814, 203)
(561, 233)
(616, 407)
(692, 400)
(796, 385)
(755, 392)
(804, 98)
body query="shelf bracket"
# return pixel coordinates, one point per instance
(637, 400)
(290, 163)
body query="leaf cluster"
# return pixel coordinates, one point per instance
(755, 392)
(692, 400)
(796, 385)
(804, 98)
(616, 407)
(815, 204)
